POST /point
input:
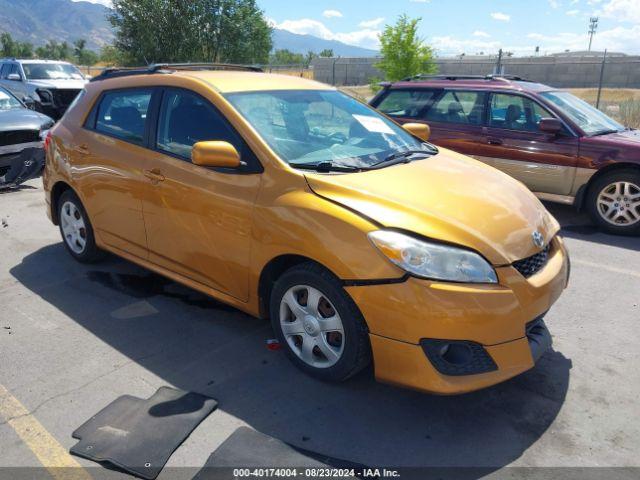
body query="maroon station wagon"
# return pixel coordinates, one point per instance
(561, 147)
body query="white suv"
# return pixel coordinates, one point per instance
(48, 86)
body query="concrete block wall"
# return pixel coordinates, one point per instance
(561, 72)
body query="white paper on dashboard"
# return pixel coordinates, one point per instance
(374, 124)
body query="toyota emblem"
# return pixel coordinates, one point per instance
(538, 239)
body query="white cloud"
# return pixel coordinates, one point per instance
(367, 37)
(621, 10)
(373, 23)
(618, 39)
(447, 45)
(306, 26)
(503, 17)
(106, 3)
(572, 13)
(480, 33)
(554, 3)
(332, 14)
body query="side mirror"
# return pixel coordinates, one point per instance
(215, 154)
(420, 130)
(29, 102)
(15, 77)
(551, 126)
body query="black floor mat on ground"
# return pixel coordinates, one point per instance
(137, 435)
(247, 448)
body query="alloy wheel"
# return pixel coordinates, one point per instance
(619, 203)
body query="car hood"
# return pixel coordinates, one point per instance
(23, 119)
(630, 138)
(62, 84)
(449, 198)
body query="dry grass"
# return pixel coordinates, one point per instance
(621, 104)
(362, 92)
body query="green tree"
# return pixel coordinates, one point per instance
(13, 48)
(309, 57)
(327, 52)
(55, 51)
(111, 56)
(155, 31)
(286, 57)
(404, 53)
(82, 55)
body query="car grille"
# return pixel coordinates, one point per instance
(15, 137)
(63, 97)
(533, 264)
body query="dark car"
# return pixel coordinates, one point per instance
(561, 147)
(22, 132)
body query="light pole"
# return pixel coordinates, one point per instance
(593, 26)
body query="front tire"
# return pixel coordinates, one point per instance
(613, 202)
(319, 326)
(76, 230)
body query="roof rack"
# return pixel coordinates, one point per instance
(421, 76)
(114, 72)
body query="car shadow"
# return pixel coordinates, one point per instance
(194, 343)
(578, 225)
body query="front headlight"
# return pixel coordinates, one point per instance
(432, 260)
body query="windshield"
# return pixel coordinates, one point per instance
(51, 71)
(311, 127)
(591, 120)
(8, 101)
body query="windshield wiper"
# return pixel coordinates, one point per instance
(325, 167)
(400, 157)
(605, 132)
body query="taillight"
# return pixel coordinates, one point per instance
(47, 140)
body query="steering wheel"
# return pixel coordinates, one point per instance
(338, 136)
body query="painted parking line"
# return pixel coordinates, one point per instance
(608, 268)
(53, 456)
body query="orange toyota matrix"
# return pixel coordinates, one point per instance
(291, 200)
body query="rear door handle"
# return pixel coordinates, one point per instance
(154, 175)
(494, 141)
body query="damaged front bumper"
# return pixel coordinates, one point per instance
(19, 163)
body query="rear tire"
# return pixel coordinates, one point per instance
(613, 202)
(76, 230)
(326, 335)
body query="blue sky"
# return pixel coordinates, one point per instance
(469, 26)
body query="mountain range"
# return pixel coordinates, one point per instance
(38, 21)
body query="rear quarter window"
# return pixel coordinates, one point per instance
(123, 114)
(405, 103)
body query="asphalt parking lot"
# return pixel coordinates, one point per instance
(75, 337)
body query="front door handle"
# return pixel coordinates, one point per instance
(494, 141)
(155, 175)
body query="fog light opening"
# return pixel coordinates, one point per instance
(456, 353)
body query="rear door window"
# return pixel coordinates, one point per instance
(405, 103)
(123, 114)
(515, 112)
(458, 106)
